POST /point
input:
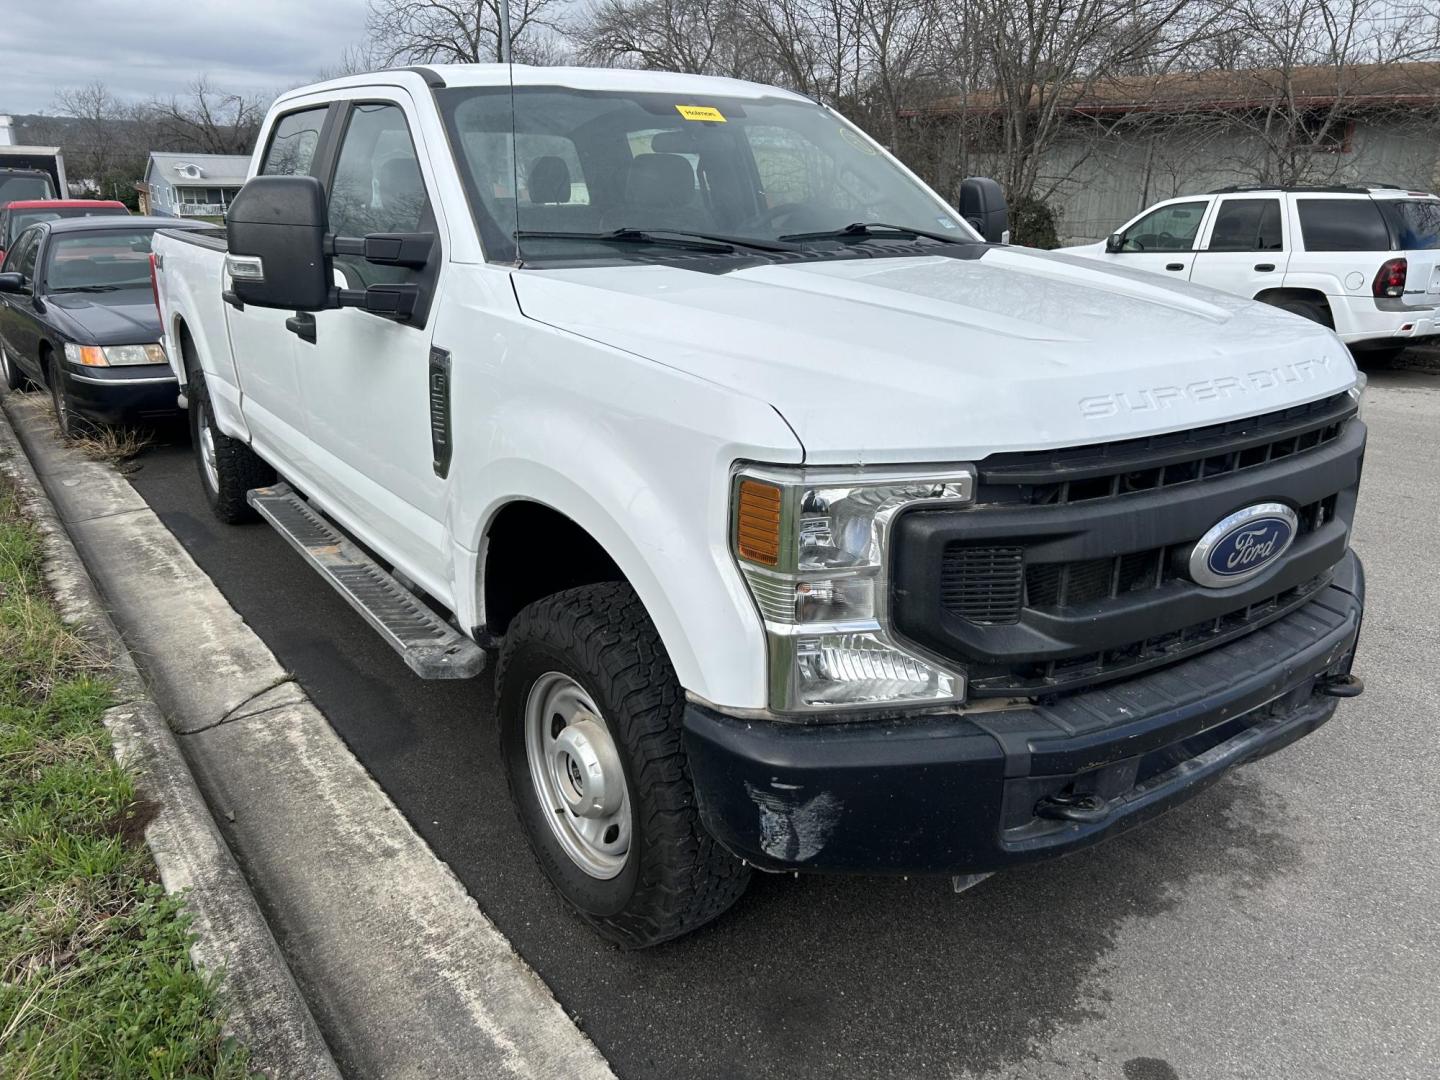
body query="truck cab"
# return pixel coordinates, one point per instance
(804, 524)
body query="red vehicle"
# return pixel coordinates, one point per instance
(17, 216)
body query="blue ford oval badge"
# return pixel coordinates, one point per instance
(1240, 546)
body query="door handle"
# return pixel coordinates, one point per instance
(1264, 268)
(302, 325)
(1174, 266)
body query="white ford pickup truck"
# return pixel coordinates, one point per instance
(810, 526)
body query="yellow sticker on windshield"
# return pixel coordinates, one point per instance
(699, 112)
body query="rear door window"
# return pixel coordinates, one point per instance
(1415, 223)
(1342, 225)
(1247, 225)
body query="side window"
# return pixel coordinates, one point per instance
(21, 258)
(1247, 225)
(1170, 228)
(377, 188)
(1342, 225)
(293, 143)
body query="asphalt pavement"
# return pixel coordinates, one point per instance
(1284, 924)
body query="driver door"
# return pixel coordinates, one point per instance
(1163, 240)
(364, 378)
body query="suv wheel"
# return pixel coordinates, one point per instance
(1314, 310)
(228, 468)
(590, 713)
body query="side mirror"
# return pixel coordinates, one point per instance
(276, 231)
(12, 283)
(1115, 243)
(982, 204)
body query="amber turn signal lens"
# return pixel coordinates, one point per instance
(757, 522)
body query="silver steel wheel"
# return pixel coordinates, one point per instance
(576, 774)
(5, 367)
(207, 445)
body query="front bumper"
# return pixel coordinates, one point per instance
(112, 395)
(980, 791)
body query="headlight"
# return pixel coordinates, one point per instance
(1357, 392)
(811, 544)
(114, 355)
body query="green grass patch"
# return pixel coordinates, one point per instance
(95, 973)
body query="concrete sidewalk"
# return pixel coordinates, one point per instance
(404, 974)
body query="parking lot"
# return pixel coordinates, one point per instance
(1284, 924)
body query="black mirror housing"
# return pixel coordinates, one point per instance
(276, 235)
(12, 283)
(982, 204)
(1115, 243)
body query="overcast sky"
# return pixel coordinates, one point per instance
(143, 48)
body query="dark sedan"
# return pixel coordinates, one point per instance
(77, 315)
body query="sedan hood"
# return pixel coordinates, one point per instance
(123, 317)
(938, 357)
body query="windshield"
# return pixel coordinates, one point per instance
(592, 162)
(20, 220)
(17, 186)
(1415, 222)
(99, 261)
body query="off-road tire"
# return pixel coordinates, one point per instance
(1315, 310)
(676, 877)
(237, 467)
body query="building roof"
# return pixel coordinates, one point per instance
(200, 170)
(1357, 85)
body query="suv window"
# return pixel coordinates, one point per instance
(1247, 225)
(293, 143)
(1415, 222)
(1171, 228)
(377, 188)
(1342, 225)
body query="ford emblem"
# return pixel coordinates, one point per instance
(1240, 546)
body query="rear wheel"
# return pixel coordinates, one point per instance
(590, 714)
(1314, 310)
(14, 378)
(228, 468)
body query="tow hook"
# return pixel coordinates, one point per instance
(1341, 686)
(1084, 808)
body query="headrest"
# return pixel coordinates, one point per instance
(549, 180)
(660, 180)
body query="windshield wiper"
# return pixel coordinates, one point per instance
(691, 241)
(869, 230)
(97, 288)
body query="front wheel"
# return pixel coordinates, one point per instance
(228, 468)
(14, 378)
(60, 400)
(590, 714)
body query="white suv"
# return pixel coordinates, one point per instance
(1363, 261)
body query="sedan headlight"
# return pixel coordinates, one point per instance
(114, 355)
(811, 544)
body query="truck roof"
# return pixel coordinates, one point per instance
(61, 204)
(438, 76)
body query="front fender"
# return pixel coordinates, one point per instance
(639, 456)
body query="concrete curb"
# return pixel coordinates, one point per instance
(266, 1010)
(404, 974)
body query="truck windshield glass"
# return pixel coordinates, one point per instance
(99, 261)
(599, 172)
(17, 186)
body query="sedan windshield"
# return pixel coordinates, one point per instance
(99, 261)
(612, 175)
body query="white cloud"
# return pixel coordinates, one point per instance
(145, 48)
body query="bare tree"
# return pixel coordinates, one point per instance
(458, 31)
(103, 142)
(206, 120)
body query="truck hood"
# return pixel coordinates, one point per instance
(938, 358)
